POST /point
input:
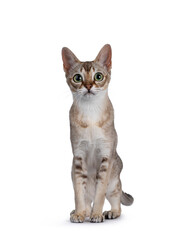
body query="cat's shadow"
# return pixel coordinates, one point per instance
(107, 221)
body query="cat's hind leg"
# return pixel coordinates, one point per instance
(113, 195)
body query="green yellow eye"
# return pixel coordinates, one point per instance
(77, 78)
(98, 77)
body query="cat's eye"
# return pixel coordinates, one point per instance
(98, 77)
(77, 78)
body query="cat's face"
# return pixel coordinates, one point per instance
(87, 79)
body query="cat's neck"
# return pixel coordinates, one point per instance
(93, 102)
(92, 108)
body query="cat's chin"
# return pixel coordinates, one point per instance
(88, 95)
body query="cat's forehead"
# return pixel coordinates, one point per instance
(87, 66)
(87, 69)
(90, 67)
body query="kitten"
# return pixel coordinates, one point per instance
(96, 165)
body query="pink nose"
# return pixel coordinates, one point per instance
(88, 86)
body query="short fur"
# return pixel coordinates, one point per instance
(96, 165)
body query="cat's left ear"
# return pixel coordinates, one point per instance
(69, 59)
(104, 56)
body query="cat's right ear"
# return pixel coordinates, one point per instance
(69, 59)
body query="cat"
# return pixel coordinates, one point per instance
(96, 165)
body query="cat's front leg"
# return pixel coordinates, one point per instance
(79, 177)
(101, 187)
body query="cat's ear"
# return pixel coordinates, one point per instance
(104, 56)
(69, 59)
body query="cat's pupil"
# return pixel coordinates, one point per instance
(98, 76)
(78, 77)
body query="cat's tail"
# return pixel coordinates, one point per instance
(126, 199)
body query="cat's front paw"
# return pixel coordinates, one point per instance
(111, 214)
(97, 218)
(76, 218)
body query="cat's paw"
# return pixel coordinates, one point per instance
(111, 214)
(72, 212)
(76, 218)
(96, 218)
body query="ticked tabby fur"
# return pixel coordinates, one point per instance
(96, 165)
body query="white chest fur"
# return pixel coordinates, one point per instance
(92, 139)
(90, 113)
(91, 107)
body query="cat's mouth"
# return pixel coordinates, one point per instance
(89, 92)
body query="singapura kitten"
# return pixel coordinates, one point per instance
(96, 164)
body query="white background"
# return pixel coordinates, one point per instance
(35, 151)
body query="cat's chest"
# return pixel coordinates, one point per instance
(90, 116)
(90, 120)
(92, 134)
(91, 141)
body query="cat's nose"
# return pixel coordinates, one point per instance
(88, 86)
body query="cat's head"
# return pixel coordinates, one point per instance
(87, 79)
